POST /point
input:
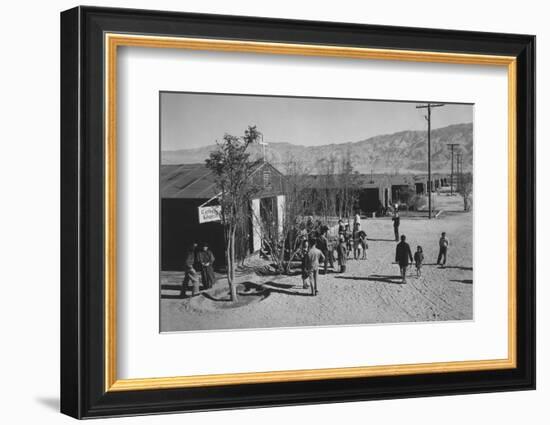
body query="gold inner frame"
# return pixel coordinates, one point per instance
(113, 41)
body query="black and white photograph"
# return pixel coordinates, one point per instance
(304, 211)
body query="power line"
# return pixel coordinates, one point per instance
(428, 117)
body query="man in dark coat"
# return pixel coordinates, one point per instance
(403, 256)
(191, 275)
(342, 254)
(206, 259)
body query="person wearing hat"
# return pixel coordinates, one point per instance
(403, 256)
(341, 249)
(191, 275)
(206, 259)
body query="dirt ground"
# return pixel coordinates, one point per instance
(369, 292)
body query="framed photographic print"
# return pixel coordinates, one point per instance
(261, 212)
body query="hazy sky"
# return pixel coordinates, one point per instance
(191, 120)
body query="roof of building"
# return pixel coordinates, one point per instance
(368, 180)
(187, 181)
(194, 181)
(357, 180)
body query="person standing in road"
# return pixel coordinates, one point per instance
(348, 235)
(342, 254)
(326, 249)
(305, 271)
(364, 244)
(396, 221)
(191, 275)
(356, 241)
(314, 257)
(357, 221)
(403, 257)
(418, 260)
(443, 245)
(206, 259)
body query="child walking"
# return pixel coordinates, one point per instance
(418, 260)
(305, 265)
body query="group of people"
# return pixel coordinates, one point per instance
(316, 249)
(404, 257)
(319, 249)
(199, 261)
(355, 240)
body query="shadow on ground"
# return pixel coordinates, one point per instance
(465, 281)
(381, 240)
(395, 280)
(459, 268)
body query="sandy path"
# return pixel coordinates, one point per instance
(369, 292)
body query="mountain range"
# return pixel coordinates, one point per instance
(401, 152)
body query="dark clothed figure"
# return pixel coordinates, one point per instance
(191, 275)
(396, 221)
(326, 248)
(418, 260)
(348, 236)
(403, 256)
(305, 271)
(363, 243)
(443, 245)
(206, 258)
(342, 255)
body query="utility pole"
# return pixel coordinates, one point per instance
(458, 170)
(452, 146)
(428, 117)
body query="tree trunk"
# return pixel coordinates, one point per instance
(230, 267)
(232, 286)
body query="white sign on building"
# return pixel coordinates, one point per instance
(210, 213)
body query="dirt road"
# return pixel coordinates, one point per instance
(369, 292)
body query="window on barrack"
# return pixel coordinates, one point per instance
(267, 178)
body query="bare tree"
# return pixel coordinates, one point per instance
(347, 193)
(232, 168)
(326, 188)
(280, 228)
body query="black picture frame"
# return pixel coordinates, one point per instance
(83, 392)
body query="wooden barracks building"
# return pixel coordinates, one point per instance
(190, 211)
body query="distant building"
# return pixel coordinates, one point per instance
(373, 191)
(401, 186)
(403, 183)
(189, 211)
